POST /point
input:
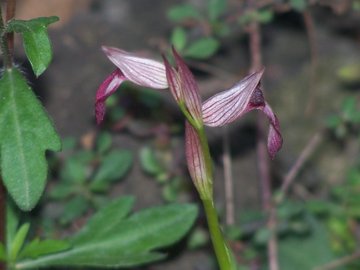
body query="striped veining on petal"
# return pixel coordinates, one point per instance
(141, 71)
(227, 106)
(173, 81)
(107, 88)
(195, 156)
(189, 86)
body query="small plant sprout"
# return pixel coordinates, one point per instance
(221, 109)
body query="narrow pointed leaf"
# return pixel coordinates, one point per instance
(18, 241)
(36, 40)
(124, 243)
(98, 225)
(12, 221)
(37, 248)
(26, 133)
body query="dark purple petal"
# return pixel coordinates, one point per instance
(107, 88)
(225, 107)
(189, 88)
(196, 160)
(274, 137)
(139, 70)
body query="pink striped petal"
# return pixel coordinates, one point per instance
(189, 88)
(141, 71)
(231, 104)
(196, 161)
(107, 88)
(174, 81)
(225, 107)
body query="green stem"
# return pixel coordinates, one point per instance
(10, 14)
(222, 252)
(2, 218)
(4, 43)
(207, 155)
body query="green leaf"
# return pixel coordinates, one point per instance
(356, 5)
(3, 256)
(36, 40)
(183, 12)
(73, 209)
(221, 29)
(12, 221)
(114, 166)
(98, 225)
(178, 38)
(298, 5)
(349, 74)
(61, 191)
(198, 239)
(319, 207)
(265, 16)
(294, 252)
(289, 209)
(74, 170)
(103, 142)
(37, 248)
(333, 121)
(26, 133)
(149, 161)
(202, 48)
(171, 190)
(261, 16)
(349, 107)
(124, 242)
(262, 236)
(216, 8)
(18, 241)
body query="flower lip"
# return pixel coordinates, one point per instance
(141, 71)
(108, 87)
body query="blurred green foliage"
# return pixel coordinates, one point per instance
(87, 176)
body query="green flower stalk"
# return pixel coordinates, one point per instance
(221, 109)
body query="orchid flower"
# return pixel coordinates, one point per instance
(220, 109)
(141, 71)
